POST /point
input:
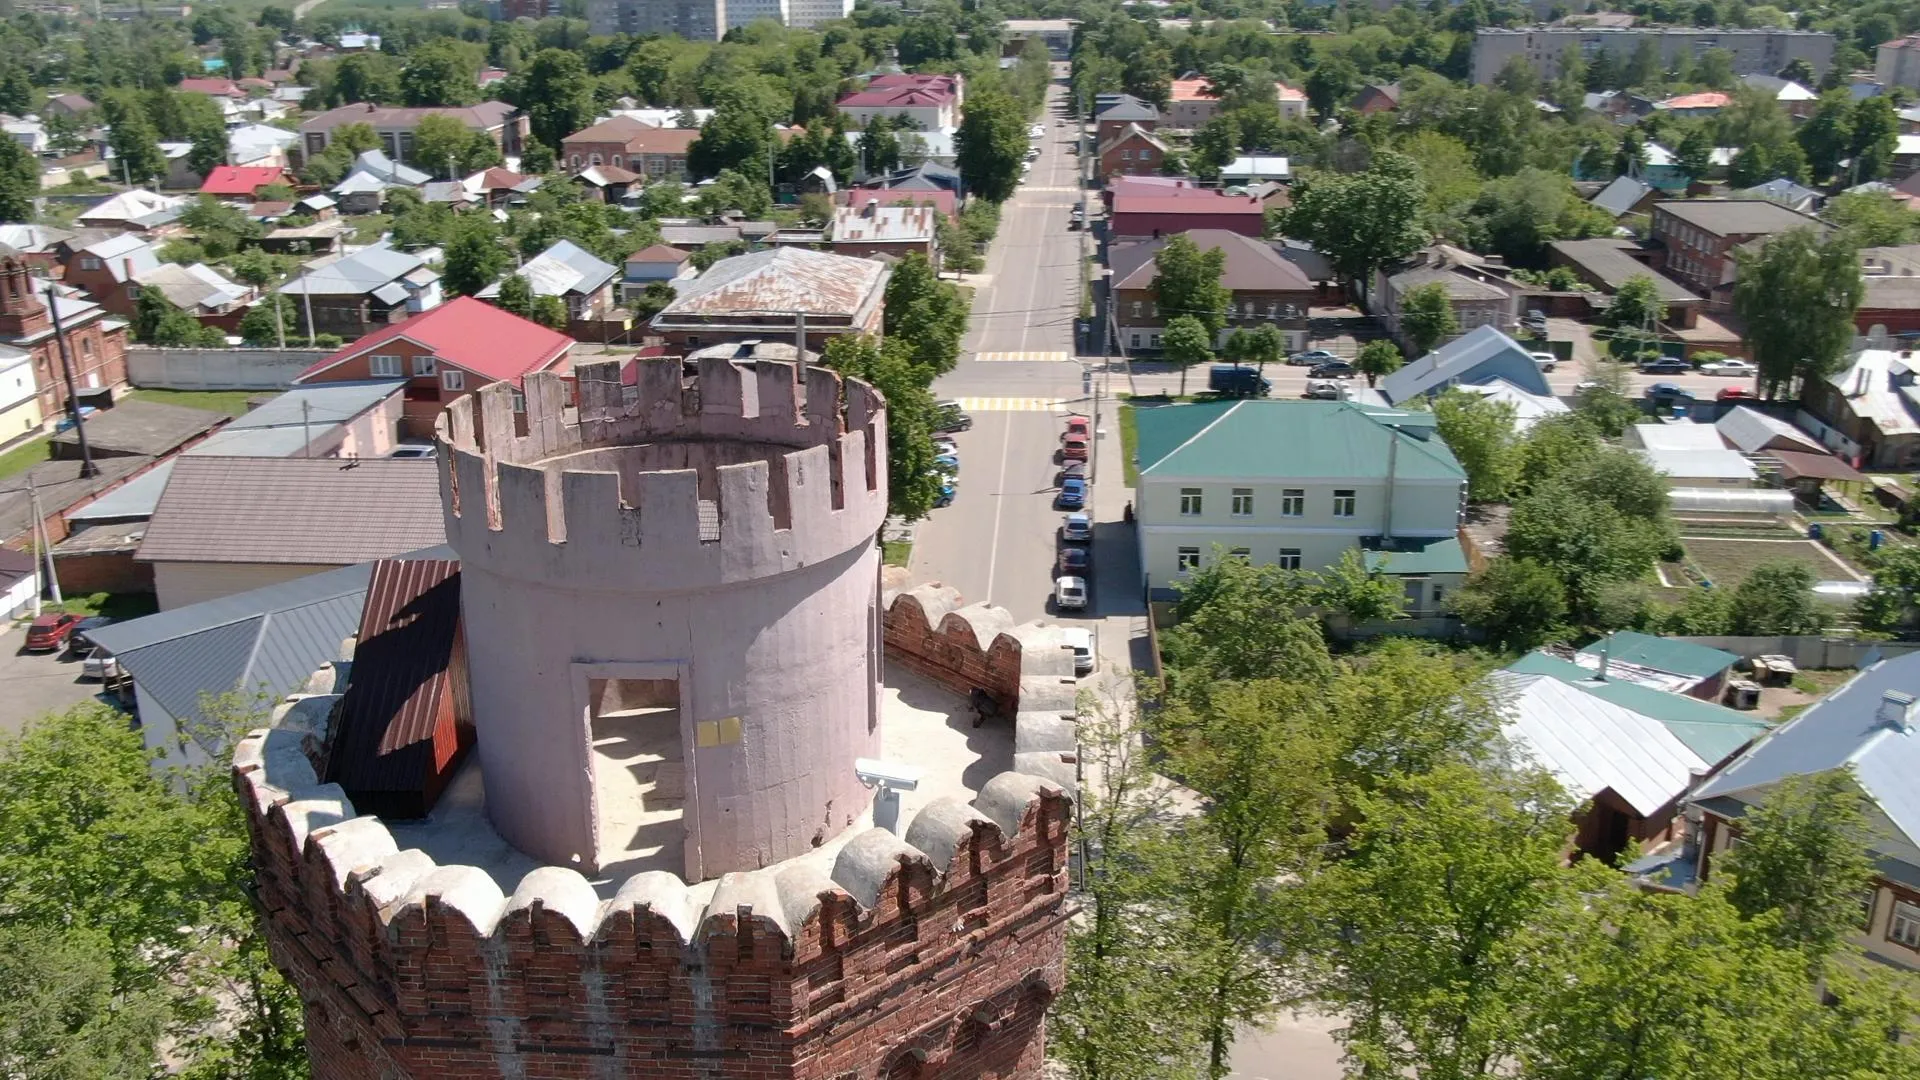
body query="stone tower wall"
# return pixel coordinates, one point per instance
(717, 531)
(931, 955)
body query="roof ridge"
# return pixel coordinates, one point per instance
(1215, 422)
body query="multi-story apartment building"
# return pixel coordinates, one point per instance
(623, 142)
(803, 14)
(1897, 62)
(504, 124)
(1299, 484)
(1761, 50)
(1192, 103)
(1699, 235)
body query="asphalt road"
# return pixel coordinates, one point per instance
(1017, 377)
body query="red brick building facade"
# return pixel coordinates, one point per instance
(96, 346)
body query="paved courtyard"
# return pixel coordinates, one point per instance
(37, 683)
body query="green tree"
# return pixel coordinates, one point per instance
(1518, 216)
(1259, 346)
(1426, 317)
(364, 76)
(132, 136)
(1695, 154)
(1186, 343)
(990, 145)
(1827, 135)
(1444, 872)
(928, 314)
(441, 72)
(445, 147)
(1378, 359)
(516, 296)
(1775, 598)
(1876, 132)
(1803, 860)
(1360, 222)
(266, 322)
(879, 148)
(1186, 282)
(1892, 598)
(1797, 294)
(913, 480)
(475, 256)
(1216, 145)
(1329, 85)
(1872, 218)
(1481, 435)
(19, 181)
(209, 150)
(738, 136)
(732, 190)
(1637, 305)
(557, 93)
(64, 1015)
(1516, 603)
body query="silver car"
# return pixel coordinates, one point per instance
(1070, 593)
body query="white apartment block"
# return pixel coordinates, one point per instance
(1762, 51)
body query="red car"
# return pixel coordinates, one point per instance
(1073, 448)
(50, 631)
(1078, 426)
(1733, 393)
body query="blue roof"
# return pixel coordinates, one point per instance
(1840, 731)
(1478, 356)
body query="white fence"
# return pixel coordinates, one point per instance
(217, 369)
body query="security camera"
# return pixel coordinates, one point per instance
(892, 774)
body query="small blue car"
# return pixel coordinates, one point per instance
(1073, 494)
(946, 496)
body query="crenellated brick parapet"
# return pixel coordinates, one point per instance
(931, 955)
(673, 484)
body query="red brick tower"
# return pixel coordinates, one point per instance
(22, 312)
(434, 948)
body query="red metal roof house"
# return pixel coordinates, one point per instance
(242, 181)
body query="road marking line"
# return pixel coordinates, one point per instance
(999, 504)
(1012, 404)
(1019, 357)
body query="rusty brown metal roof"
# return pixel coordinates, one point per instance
(784, 279)
(383, 750)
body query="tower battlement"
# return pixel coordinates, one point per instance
(735, 475)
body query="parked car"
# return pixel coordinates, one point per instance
(413, 450)
(50, 631)
(1070, 593)
(1334, 369)
(1076, 529)
(1323, 389)
(1075, 562)
(1074, 448)
(1734, 393)
(1667, 390)
(947, 491)
(1080, 640)
(101, 665)
(1078, 215)
(1310, 358)
(1535, 320)
(78, 643)
(1072, 496)
(945, 444)
(1544, 360)
(949, 416)
(1078, 426)
(947, 464)
(1073, 470)
(1666, 365)
(1729, 366)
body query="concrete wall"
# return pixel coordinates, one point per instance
(722, 534)
(217, 369)
(17, 599)
(1810, 650)
(177, 584)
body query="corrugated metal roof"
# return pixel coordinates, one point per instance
(1838, 731)
(294, 510)
(882, 224)
(1718, 464)
(1457, 360)
(566, 268)
(1279, 439)
(1591, 745)
(319, 404)
(1662, 654)
(134, 499)
(1750, 430)
(784, 279)
(359, 273)
(402, 669)
(1712, 731)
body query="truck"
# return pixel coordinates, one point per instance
(1237, 380)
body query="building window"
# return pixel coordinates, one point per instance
(1242, 502)
(574, 161)
(423, 365)
(1243, 554)
(519, 402)
(1189, 559)
(383, 365)
(1189, 502)
(1136, 341)
(1126, 155)
(1867, 898)
(89, 262)
(133, 292)
(1289, 558)
(1293, 502)
(1904, 927)
(1439, 594)
(593, 159)
(615, 161)
(1136, 309)
(453, 379)
(86, 347)
(1342, 502)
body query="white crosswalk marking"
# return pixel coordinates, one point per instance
(1049, 189)
(1019, 357)
(1012, 404)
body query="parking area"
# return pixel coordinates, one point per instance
(37, 683)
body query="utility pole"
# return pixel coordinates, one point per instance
(306, 428)
(44, 543)
(306, 298)
(800, 342)
(87, 467)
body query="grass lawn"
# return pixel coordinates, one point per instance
(23, 457)
(368, 227)
(1728, 562)
(231, 402)
(113, 605)
(1129, 443)
(896, 552)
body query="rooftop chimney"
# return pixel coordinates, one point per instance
(1896, 711)
(1606, 651)
(873, 208)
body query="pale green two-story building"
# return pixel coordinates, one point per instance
(1299, 483)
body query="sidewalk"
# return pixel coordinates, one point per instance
(1122, 630)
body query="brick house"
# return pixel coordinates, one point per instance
(96, 344)
(1112, 118)
(1479, 294)
(1377, 97)
(1699, 235)
(1134, 151)
(1265, 288)
(504, 124)
(446, 354)
(109, 270)
(766, 294)
(1158, 205)
(626, 143)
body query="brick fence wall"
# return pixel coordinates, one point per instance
(959, 647)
